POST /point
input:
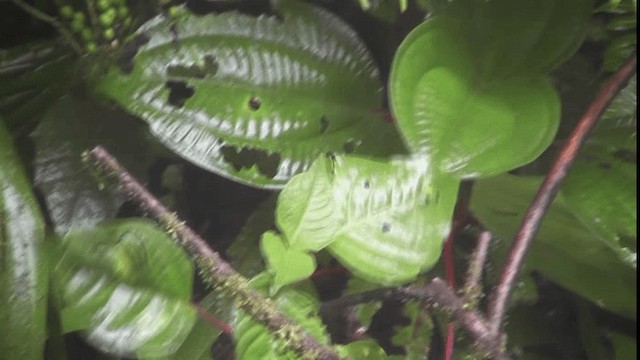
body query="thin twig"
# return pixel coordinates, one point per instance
(440, 294)
(51, 21)
(216, 272)
(548, 190)
(472, 289)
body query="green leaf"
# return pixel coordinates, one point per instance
(127, 285)
(363, 312)
(470, 123)
(363, 349)
(415, 337)
(71, 192)
(286, 264)
(254, 99)
(624, 346)
(393, 214)
(254, 341)
(23, 277)
(600, 188)
(564, 250)
(32, 77)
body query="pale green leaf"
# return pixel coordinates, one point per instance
(287, 265)
(23, 266)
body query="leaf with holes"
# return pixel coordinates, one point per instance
(385, 221)
(468, 86)
(254, 99)
(70, 127)
(23, 276)
(126, 285)
(254, 341)
(564, 250)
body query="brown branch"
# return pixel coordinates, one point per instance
(216, 272)
(472, 291)
(440, 294)
(548, 190)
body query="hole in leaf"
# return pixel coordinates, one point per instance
(324, 124)
(210, 68)
(386, 227)
(366, 184)
(350, 146)
(246, 158)
(626, 155)
(129, 51)
(179, 92)
(255, 103)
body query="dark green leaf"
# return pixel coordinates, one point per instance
(415, 337)
(254, 99)
(127, 285)
(69, 128)
(564, 250)
(23, 277)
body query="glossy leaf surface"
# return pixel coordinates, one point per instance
(127, 286)
(564, 250)
(73, 195)
(23, 277)
(385, 221)
(468, 85)
(254, 99)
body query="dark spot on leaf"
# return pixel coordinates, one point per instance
(427, 199)
(255, 103)
(179, 92)
(246, 158)
(350, 146)
(129, 51)
(175, 37)
(604, 166)
(437, 197)
(626, 155)
(210, 68)
(386, 227)
(324, 124)
(366, 184)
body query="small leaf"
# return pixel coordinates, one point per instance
(363, 349)
(127, 285)
(254, 99)
(23, 277)
(287, 265)
(415, 337)
(254, 341)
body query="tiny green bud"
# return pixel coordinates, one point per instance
(109, 34)
(77, 26)
(103, 4)
(78, 16)
(66, 11)
(108, 17)
(123, 12)
(174, 11)
(86, 34)
(92, 47)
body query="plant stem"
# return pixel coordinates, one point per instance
(51, 21)
(548, 190)
(472, 284)
(438, 293)
(216, 272)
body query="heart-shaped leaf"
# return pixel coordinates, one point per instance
(393, 214)
(23, 277)
(287, 265)
(470, 96)
(254, 99)
(127, 286)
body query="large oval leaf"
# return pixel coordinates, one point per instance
(564, 250)
(470, 97)
(127, 286)
(254, 99)
(393, 214)
(23, 278)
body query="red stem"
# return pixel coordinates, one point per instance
(548, 190)
(204, 315)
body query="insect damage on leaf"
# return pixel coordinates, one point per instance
(247, 157)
